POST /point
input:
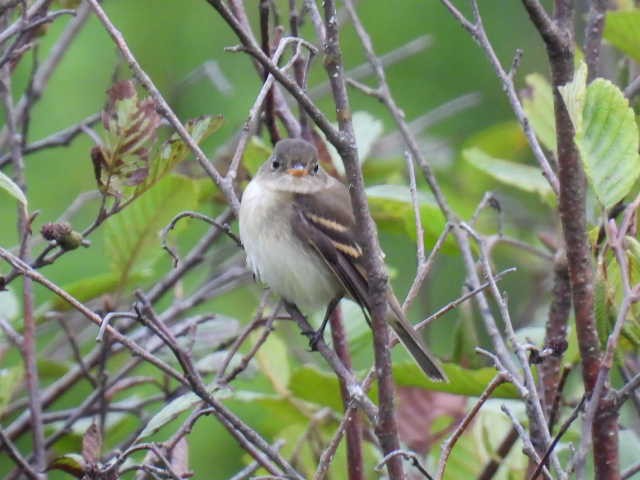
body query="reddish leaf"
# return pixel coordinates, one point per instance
(92, 444)
(419, 408)
(180, 458)
(123, 155)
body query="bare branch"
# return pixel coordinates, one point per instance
(593, 36)
(528, 447)
(448, 445)
(15, 455)
(563, 429)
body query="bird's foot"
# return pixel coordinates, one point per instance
(314, 337)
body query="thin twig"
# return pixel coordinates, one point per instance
(15, 455)
(360, 72)
(226, 228)
(353, 432)
(477, 31)
(563, 429)
(529, 391)
(527, 447)
(355, 390)
(450, 442)
(411, 456)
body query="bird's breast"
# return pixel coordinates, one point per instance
(277, 256)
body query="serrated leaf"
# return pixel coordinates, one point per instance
(606, 135)
(523, 177)
(392, 210)
(12, 189)
(537, 101)
(71, 463)
(130, 125)
(622, 30)
(131, 236)
(175, 150)
(574, 95)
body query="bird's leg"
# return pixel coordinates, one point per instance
(315, 337)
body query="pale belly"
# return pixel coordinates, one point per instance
(288, 267)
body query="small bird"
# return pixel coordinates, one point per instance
(297, 227)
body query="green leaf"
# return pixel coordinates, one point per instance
(275, 410)
(320, 387)
(606, 135)
(537, 101)
(170, 412)
(316, 386)
(273, 361)
(524, 177)
(502, 140)
(462, 381)
(12, 189)
(173, 410)
(132, 241)
(10, 380)
(51, 369)
(574, 95)
(392, 210)
(622, 30)
(608, 143)
(255, 154)
(71, 463)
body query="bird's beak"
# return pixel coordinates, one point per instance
(297, 170)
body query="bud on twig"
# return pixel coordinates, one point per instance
(63, 235)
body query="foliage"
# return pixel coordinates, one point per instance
(606, 135)
(204, 322)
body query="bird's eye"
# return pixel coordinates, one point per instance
(315, 168)
(275, 164)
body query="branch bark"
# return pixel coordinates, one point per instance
(557, 34)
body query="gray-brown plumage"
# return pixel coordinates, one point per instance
(297, 226)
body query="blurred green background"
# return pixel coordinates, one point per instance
(172, 39)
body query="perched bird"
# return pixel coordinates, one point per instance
(297, 227)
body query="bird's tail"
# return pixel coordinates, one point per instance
(412, 341)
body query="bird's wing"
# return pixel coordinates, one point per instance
(322, 221)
